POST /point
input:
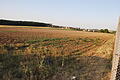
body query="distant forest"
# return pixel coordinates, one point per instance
(23, 23)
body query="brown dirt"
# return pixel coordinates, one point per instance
(94, 64)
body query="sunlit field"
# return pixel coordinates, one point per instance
(44, 53)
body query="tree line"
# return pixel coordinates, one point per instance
(39, 24)
(23, 23)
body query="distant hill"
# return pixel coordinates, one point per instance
(23, 23)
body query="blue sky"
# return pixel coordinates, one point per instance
(76, 13)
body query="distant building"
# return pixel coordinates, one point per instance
(93, 30)
(84, 30)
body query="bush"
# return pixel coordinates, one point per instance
(104, 31)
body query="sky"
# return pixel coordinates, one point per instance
(75, 13)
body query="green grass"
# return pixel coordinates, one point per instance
(44, 40)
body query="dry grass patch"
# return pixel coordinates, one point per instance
(50, 54)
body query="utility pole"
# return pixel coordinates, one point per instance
(115, 73)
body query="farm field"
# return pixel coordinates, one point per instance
(39, 53)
